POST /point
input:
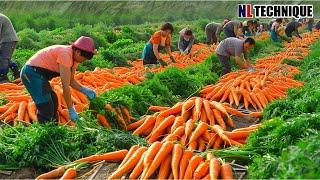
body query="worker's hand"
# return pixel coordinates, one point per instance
(251, 69)
(73, 115)
(186, 51)
(172, 59)
(162, 62)
(88, 92)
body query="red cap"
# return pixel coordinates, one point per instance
(86, 44)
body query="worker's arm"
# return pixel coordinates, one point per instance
(180, 44)
(74, 83)
(65, 74)
(155, 50)
(239, 62)
(297, 33)
(168, 49)
(190, 44)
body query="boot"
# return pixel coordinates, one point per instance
(3, 78)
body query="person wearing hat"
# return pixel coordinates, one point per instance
(8, 42)
(159, 40)
(53, 61)
(186, 40)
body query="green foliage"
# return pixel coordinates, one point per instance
(34, 146)
(295, 162)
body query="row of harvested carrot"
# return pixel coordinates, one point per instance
(100, 80)
(161, 160)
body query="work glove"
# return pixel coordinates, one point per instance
(88, 92)
(162, 62)
(73, 115)
(172, 59)
(251, 69)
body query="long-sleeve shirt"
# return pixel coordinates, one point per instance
(232, 26)
(214, 28)
(293, 27)
(7, 32)
(181, 38)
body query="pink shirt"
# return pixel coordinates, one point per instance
(50, 58)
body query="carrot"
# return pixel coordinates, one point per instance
(256, 114)
(231, 100)
(177, 154)
(193, 163)
(70, 173)
(219, 119)
(110, 156)
(129, 165)
(11, 117)
(238, 134)
(198, 106)
(203, 115)
(255, 100)
(26, 117)
(234, 112)
(217, 143)
(126, 114)
(164, 151)
(149, 122)
(150, 154)
(164, 124)
(202, 170)
(209, 112)
(209, 156)
(165, 168)
(206, 136)
(135, 125)
(102, 119)
(184, 163)
(226, 171)
(225, 95)
(136, 172)
(121, 119)
(54, 174)
(212, 141)
(177, 122)
(213, 92)
(155, 136)
(22, 109)
(19, 98)
(193, 145)
(186, 107)
(180, 131)
(202, 144)
(158, 108)
(200, 129)
(189, 128)
(132, 150)
(10, 110)
(175, 109)
(214, 168)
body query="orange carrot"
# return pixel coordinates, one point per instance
(219, 119)
(165, 168)
(135, 125)
(202, 170)
(110, 156)
(70, 173)
(198, 106)
(202, 144)
(22, 109)
(10, 110)
(129, 165)
(136, 172)
(226, 171)
(200, 129)
(164, 151)
(214, 168)
(102, 119)
(177, 154)
(164, 124)
(131, 151)
(177, 122)
(189, 128)
(193, 145)
(149, 122)
(209, 112)
(187, 155)
(186, 107)
(193, 163)
(158, 108)
(54, 174)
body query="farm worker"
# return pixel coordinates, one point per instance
(247, 28)
(234, 47)
(213, 31)
(53, 61)
(292, 27)
(186, 41)
(310, 24)
(317, 26)
(158, 41)
(275, 27)
(8, 42)
(232, 29)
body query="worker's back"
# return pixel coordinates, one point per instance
(7, 32)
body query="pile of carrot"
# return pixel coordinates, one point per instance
(250, 88)
(170, 161)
